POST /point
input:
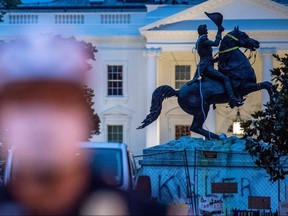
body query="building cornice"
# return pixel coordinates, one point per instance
(179, 35)
(199, 9)
(90, 8)
(272, 5)
(185, 40)
(116, 38)
(186, 14)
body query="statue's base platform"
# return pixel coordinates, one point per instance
(186, 170)
(195, 151)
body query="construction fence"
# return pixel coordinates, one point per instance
(225, 183)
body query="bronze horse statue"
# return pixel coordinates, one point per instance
(196, 96)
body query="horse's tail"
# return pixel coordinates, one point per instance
(159, 94)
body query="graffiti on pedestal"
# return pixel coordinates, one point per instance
(173, 189)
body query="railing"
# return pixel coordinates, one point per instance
(115, 18)
(69, 19)
(23, 19)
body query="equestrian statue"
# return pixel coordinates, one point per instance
(234, 79)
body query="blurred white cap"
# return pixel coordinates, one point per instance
(45, 58)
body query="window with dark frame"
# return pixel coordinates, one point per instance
(182, 75)
(115, 133)
(182, 130)
(115, 80)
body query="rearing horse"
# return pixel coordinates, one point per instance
(196, 96)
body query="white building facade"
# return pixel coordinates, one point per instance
(143, 46)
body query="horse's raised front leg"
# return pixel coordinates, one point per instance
(253, 87)
(197, 125)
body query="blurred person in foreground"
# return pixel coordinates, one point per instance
(43, 117)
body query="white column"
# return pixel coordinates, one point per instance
(267, 65)
(210, 123)
(152, 130)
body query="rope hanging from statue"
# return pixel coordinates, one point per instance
(217, 18)
(200, 84)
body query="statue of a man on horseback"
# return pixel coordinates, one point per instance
(235, 75)
(206, 65)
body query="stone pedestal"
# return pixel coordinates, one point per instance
(184, 170)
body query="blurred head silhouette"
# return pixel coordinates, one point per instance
(43, 117)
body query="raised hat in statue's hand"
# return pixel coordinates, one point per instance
(217, 18)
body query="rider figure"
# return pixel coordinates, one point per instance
(206, 64)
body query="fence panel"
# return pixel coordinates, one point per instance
(224, 180)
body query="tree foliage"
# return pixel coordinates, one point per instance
(89, 94)
(8, 4)
(267, 134)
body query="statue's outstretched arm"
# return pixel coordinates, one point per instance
(217, 40)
